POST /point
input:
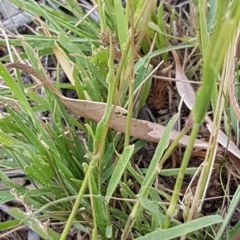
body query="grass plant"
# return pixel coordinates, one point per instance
(82, 173)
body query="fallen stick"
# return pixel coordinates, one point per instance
(140, 129)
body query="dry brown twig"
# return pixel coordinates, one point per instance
(140, 129)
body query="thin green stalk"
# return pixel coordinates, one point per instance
(102, 127)
(99, 143)
(102, 19)
(129, 119)
(131, 220)
(129, 115)
(102, 130)
(130, 69)
(204, 176)
(204, 39)
(171, 148)
(77, 203)
(204, 35)
(122, 63)
(138, 28)
(232, 208)
(209, 158)
(136, 209)
(95, 227)
(149, 177)
(172, 207)
(207, 165)
(54, 203)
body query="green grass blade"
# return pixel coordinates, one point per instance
(163, 144)
(122, 23)
(9, 224)
(204, 35)
(119, 170)
(16, 90)
(98, 209)
(234, 203)
(214, 57)
(153, 208)
(233, 233)
(183, 229)
(150, 175)
(34, 224)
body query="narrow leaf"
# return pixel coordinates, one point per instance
(119, 170)
(34, 224)
(183, 229)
